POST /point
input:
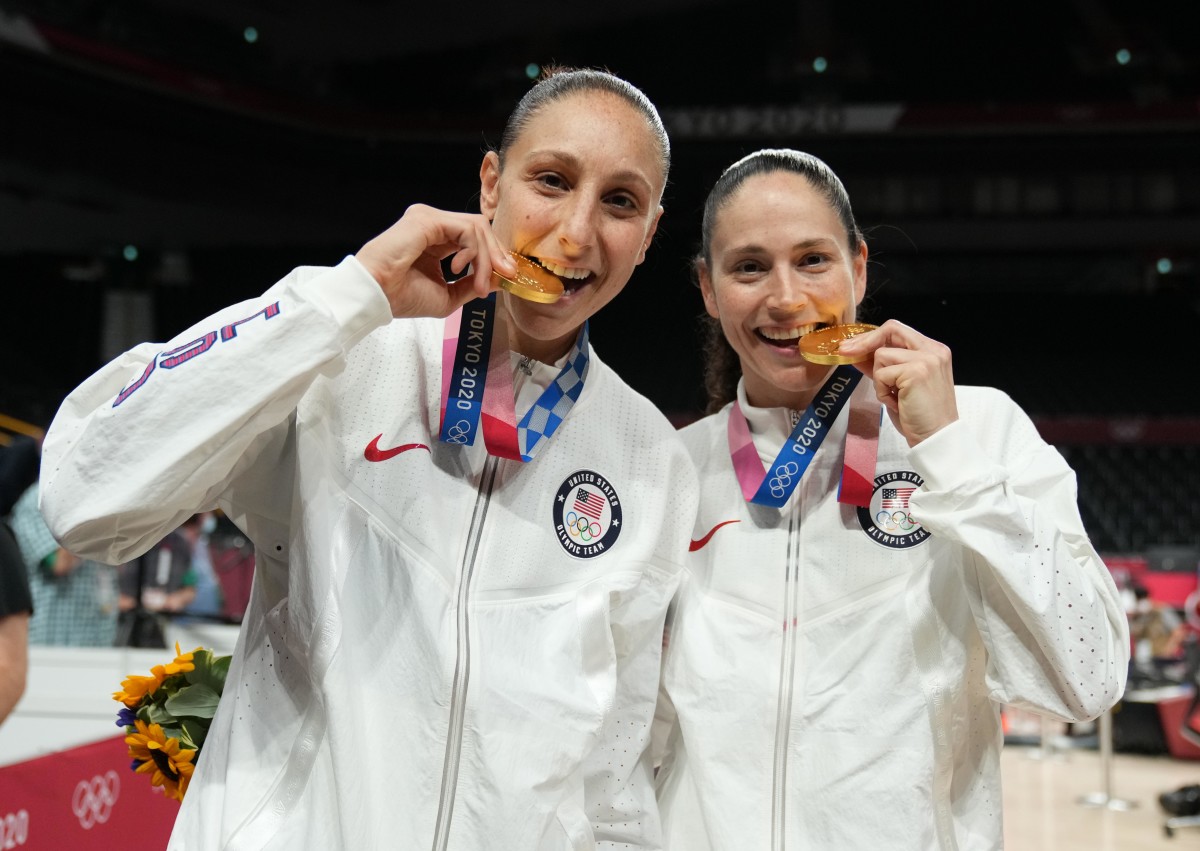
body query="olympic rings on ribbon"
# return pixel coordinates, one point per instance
(457, 433)
(782, 478)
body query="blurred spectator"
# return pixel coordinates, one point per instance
(1157, 631)
(74, 603)
(160, 582)
(233, 563)
(208, 602)
(15, 607)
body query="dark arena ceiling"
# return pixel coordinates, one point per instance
(1041, 153)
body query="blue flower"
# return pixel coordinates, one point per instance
(126, 717)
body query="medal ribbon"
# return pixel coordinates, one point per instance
(775, 485)
(551, 408)
(477, 386)
(862, 449)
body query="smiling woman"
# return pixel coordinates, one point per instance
(911, 572)
(578, 188)
(779, 269)
(521, 523)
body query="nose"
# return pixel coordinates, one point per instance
(578, 227)
(786, 293)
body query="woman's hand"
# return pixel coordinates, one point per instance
(406, 260)
(913, 377)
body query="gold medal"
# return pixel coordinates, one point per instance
(531, 282)
(822, 346)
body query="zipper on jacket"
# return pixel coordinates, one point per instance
(462, 659)
(787, 670)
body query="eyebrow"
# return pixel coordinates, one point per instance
(806, 244)
(625, 176)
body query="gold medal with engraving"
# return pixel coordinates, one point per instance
(822, 346)
(531, 282)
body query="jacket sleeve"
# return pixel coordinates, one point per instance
(1046, 606)
(166, 430)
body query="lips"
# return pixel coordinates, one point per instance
(786, 337)
(572, 277)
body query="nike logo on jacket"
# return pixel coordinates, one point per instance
(697, 543)
(374, 453)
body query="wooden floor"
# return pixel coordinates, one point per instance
(1042, 792)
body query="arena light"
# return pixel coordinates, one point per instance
(820, 64)
(130, 253)
(1164, 265)
(1123, 56)
(532, 70)
(250, 34)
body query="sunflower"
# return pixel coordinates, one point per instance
(169, 765)
(135, 687)
(183, 663)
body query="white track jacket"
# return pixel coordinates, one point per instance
(834, 675)
(432, 657)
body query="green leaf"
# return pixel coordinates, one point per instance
(210, 670)
(194, 734)
(220, 669)
(155, 714)
(171, 685)
(195, 701)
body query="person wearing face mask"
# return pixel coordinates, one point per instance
(882, 559)
(208, 604)
(467, 527)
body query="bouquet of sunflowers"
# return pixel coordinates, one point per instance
(167, 714)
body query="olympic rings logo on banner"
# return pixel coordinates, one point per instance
(581, 527)
(783, 478)
(457, 433)
(93, 800)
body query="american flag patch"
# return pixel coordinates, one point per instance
(896, 497)
(589, 503)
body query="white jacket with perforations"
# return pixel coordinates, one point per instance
(834, 675)
(431, 658)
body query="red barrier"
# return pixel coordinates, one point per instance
(1172, 712)
(1170, 587)
(83, 799)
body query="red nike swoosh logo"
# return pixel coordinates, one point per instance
(698, 543)
(374, 453)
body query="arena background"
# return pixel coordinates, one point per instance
(1026, 173)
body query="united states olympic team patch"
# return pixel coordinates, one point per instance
(887, 520)
(587, 514)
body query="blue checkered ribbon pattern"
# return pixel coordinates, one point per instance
(552, 407)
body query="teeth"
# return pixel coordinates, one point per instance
(789, 333)
(564, 271)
